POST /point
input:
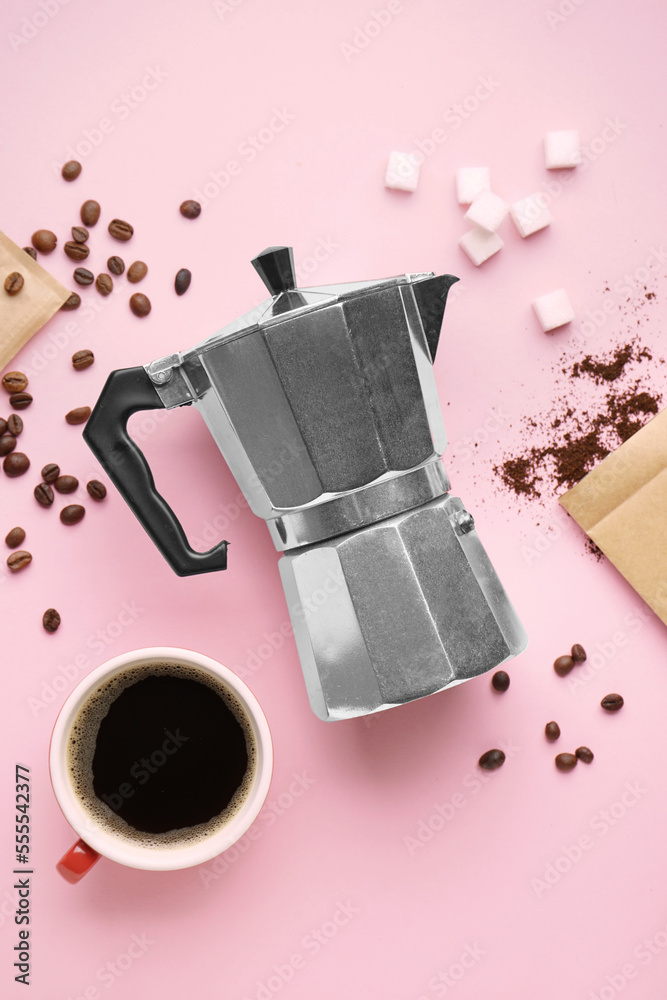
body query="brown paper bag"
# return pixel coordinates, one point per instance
(622, 506)
(24, 314)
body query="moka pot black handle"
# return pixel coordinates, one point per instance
(127, 391)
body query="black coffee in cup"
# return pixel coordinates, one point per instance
(162, 753)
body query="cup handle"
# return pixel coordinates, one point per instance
(77, 862)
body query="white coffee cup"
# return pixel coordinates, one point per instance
(96, 839)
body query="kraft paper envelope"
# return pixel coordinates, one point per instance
(24, 314)
(622, 506)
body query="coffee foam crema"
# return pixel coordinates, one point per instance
(82, 740)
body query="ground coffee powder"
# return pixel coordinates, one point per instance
(579, 438)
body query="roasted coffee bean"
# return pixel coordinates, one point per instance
(82, 359)
(96, 489)
(552, 731)
(492, 759)
(80, 234)
(14, 424)
(78, 415)
(66, 484)
(566, 761)
(16, 464)
(610, 702)
(500, 680)
(71, 170)
(31, 252)
(140, 304)
(44, 240)
(83, 276)
(3, 425)
(73, 302)
(182, 281)
(120, 230)
(50, 472)
(137, 272)
(90, 212)
(14, 283)
(76, 251)
(116, 265)
(104, 284)
(51, 620)
(7, 444)
(14, 381)
(14, 538)
(18, 560)
(43, 494)
(584, 755)
(190, 209)
(72, 514)
(563, 665)
(20, 400)
(578, 653)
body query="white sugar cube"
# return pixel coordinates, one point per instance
(553, 310)
(470, 183)
(531, 214)
(480, 245)
(562, 149)
(487, 211)
(402, 172)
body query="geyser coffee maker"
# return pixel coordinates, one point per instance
(323, 403)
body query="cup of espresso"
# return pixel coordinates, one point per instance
(160, 759)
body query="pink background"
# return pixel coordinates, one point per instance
(467, 914)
